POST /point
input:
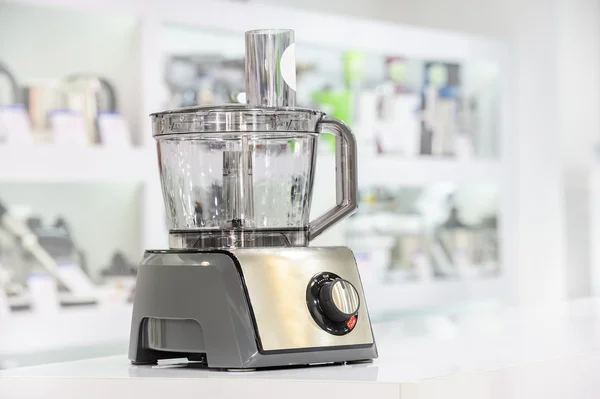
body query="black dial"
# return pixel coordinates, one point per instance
(338, 300)
(333, 303)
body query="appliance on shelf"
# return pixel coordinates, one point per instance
(47, 263)
(338, 104)
(42, 97)
(239, 287)
(457, 241)
(440, 102)
(14, 124)
(398, 127)
(408, 255)
(398, 130)
(416, 234)
(204, 79)
(81, 109)
(8, 95)
(118, 279)
(390, 237)
(207, 79)
(12, 278)
(487, 249)
(119, 267)
(93, 97)
(78, 288)
(14, 295)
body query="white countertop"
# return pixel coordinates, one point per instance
(27, 337)
(545, 352)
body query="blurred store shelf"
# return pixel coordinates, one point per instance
(384, 170)
(28, 334)
(76, 165)
(420, 296)
(126, 6)
(389, 170)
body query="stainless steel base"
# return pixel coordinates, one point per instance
(242, 309)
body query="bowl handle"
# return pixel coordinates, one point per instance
(345, 176)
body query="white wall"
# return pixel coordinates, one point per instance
(579, 98)
(489, 18)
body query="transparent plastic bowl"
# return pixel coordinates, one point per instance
(238, 176)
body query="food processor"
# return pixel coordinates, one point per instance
(239, 287)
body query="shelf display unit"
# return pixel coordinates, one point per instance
(145, 38)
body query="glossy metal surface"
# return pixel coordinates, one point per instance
(270, 68)
(276, 281)
(345, 297)
(238, 187)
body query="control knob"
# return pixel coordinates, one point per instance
(339, 300)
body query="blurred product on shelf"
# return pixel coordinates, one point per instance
(398, 105)
(207, 79)
(4, 306)
(41, 98)
(14, 125)
(399, 251)
(480, 110)
(365, 122)
(74, 111)
(8, 95)
(119, 267)
(439, 106)
(42, 267)
(336, 103)
(204, 79)
(457, 242)
(75, 285)
(95, 99)
(79, 110)
(408, 259)
(353, 67)
(118, 279)
(486, 247)
(343, 103)
(417, 234)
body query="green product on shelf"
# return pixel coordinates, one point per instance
(338, 104)
(354, 67)
(397, 69)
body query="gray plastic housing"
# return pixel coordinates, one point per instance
(194, 304)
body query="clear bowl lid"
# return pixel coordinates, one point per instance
(236, 118)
